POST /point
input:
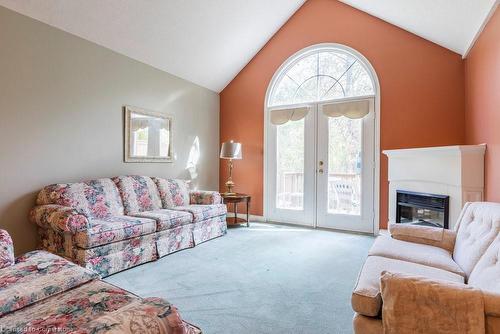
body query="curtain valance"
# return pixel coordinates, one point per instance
(350, 109)
(281, 116)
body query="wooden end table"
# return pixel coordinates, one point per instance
(236, 198)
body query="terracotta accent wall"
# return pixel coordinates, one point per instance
(482, 113)
(422, 88)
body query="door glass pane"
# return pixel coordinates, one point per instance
(290, 166)
(344, 165)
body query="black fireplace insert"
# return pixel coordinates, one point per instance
(422, 209)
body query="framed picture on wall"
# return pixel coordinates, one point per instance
(148, 136)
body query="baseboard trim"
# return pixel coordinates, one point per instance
(261, 219)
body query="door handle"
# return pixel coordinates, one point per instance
(320, 170)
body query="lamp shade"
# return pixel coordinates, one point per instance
(231, 150)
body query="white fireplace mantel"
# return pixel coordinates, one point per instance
(456, 171)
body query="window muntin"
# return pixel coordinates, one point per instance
(321, 75)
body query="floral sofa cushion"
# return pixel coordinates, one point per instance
(203, 212)
(167, 219)
(173, 192)
(36, 276)
(6, 250)
(95, 198)
(98, 307)
(115, 228)
(139, 193)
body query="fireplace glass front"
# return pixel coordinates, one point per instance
(422, 209)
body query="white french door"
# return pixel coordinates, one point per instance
(320, 169)
(345, 171)
(291, 172)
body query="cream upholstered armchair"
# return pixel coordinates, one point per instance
(428, 280)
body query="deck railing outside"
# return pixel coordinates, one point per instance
(344, 192)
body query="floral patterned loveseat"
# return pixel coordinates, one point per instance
(112, 224)
(43, 293)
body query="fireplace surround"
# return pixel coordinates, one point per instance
(454, 171)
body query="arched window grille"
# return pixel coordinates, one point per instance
(320, 75)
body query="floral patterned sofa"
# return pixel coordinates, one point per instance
(43, 293)
(109, 225)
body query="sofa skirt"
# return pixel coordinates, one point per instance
(209, 229)
(106, 259)
(114, 257)
(115, 262)
(187, 236)
(174, 239)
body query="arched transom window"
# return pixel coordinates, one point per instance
(320, 75)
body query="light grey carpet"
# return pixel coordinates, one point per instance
(262, 279)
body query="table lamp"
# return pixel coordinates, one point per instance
(230, 150)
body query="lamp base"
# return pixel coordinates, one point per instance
(230, 186)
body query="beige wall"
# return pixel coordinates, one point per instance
(61, 117)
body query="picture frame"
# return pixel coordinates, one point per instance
(147, 136)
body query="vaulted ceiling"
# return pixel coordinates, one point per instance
(204, 41)
(209, 42)
(449, 23)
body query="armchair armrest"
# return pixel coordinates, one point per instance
(6, 249)
(58, 217)
(205, 197)
(426, 235)
(413, 304)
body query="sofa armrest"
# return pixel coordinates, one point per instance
(157, 315)
(492, 312)
(6, 249)
(59, 218)
(204, 197)
(491, 304)
(413, 304)
(442, 238)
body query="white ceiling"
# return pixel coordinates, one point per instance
(449, 23)
(209, 42)
(204, 41)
